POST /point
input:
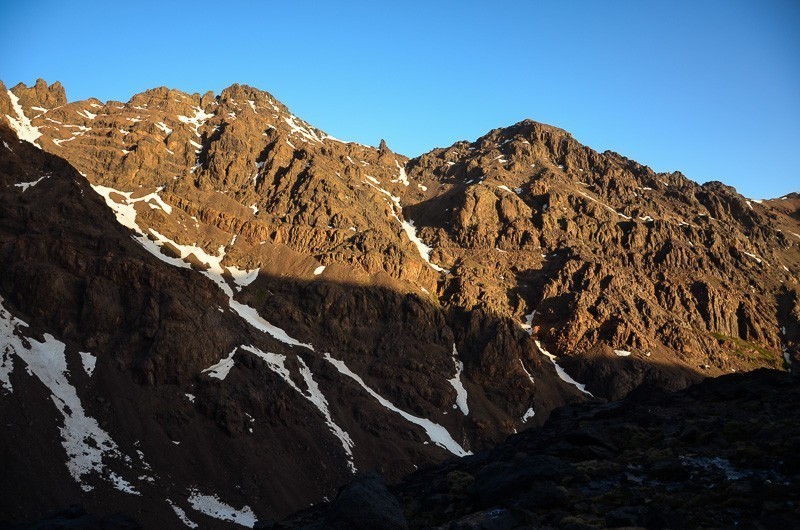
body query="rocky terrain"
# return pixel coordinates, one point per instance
(721, 454)
(216, 313)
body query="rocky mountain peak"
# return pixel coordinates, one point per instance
(238, 279)
(41, 94)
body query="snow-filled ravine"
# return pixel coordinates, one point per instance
(458, 385)
(560, 371)
(21, 123)
(436, 432)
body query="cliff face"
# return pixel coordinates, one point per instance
(258, 299)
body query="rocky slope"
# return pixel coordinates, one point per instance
(245, 286)
(721, 454)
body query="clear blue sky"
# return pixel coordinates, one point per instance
(710, 88)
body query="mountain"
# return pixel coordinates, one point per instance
(213, 311)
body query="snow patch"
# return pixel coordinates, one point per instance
(199, 118)
(212, 506)
(403, 177)
(85, 443)
(307, 134)
(528, 325)
(26, 185)
(220, 370)
(243, 278)
(89, 361)
(163, 126)
(21, 124)
(622, 353)
(530, 413)
(319, 270)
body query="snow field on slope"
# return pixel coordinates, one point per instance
(85, 443)
(20, 123)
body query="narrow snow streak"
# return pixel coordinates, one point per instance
(530, 377)
(561, 372)
(313, 394)
(759, 260)
(461, 392)
(182, 515)
(408, 227)
(530, 412)
(607, 207)
(436, 432)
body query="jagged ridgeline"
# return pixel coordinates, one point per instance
(214, 310)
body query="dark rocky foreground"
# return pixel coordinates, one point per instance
(721, 454)
(724, 453)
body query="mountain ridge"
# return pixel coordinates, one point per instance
(408, 306)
